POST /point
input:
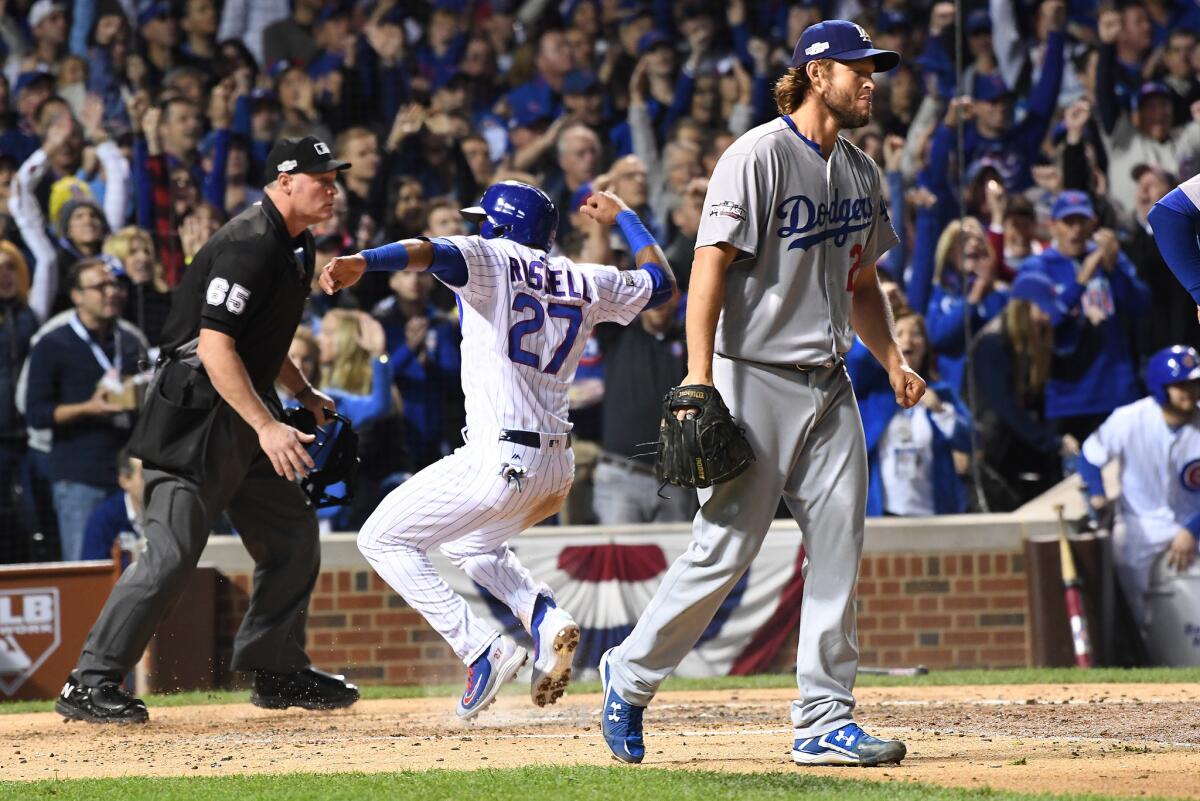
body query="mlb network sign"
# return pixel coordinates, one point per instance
(29, 633)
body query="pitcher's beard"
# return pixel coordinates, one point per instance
(844, 109)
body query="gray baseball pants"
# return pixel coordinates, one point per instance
(278, 526)
(807, 436)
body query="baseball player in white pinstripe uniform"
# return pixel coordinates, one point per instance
(526, 317)
(783, 278)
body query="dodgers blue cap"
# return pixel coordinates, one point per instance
(1072, 202)
(842, 41)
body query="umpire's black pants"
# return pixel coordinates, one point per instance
(275, 521)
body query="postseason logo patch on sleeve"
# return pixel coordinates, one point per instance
(628, 278)
(727, 208)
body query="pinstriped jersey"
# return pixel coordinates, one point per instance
(526, 318)
(804, 226)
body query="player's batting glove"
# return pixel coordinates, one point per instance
(704, 448)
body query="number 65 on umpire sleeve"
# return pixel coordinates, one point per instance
(234, 298)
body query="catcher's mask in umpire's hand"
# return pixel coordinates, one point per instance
(335, 451)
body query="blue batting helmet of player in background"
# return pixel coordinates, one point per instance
(517, 212)
(1171, 366)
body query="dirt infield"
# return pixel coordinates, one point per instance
(1111, 739)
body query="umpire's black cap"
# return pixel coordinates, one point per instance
(309, 155)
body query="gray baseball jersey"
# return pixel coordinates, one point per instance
(803, 226)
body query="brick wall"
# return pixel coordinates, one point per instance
(945, 610)
(357, 626)
(948, 610)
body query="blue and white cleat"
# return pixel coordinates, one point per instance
(620, 721)
(849, 745)
(498, 664)
(555, 638)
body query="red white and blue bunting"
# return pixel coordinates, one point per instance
(605, 581)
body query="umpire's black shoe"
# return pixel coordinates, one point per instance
(309, 688)
(107, 703)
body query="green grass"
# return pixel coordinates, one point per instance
(937, 678)
(521, 784)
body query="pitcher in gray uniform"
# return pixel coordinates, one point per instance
(783, 278)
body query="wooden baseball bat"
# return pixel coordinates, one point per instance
(919, 670)
(1073, 594)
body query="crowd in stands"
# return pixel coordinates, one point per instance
(1022, 289)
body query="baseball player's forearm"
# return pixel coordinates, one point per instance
(218, 353)
(413, 255)
(706, 294)
(646, 249)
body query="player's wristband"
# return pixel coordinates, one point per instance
(635, 231)
(1193, 525)
(386, 258)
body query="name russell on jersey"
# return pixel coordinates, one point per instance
(845, 216)
(539, 275)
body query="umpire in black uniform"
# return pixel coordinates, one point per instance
(212, 440)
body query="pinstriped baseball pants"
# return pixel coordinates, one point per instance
(463, 505)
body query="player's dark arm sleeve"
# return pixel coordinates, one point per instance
(1192, 524)
(1173, 220)
(1090, 473)
(448, 263)
(662, 287)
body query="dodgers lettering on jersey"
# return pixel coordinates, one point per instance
(804, 227)
(526, 319)
(1160, 470)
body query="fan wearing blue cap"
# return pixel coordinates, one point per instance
(1156, 441)
(793, 223)
(1100, 290)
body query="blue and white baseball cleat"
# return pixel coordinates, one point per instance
(620, 721)
(849, 745)
(555, 638)
(498, 664)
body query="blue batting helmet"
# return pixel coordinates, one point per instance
(518, 212)
(1171, 366)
